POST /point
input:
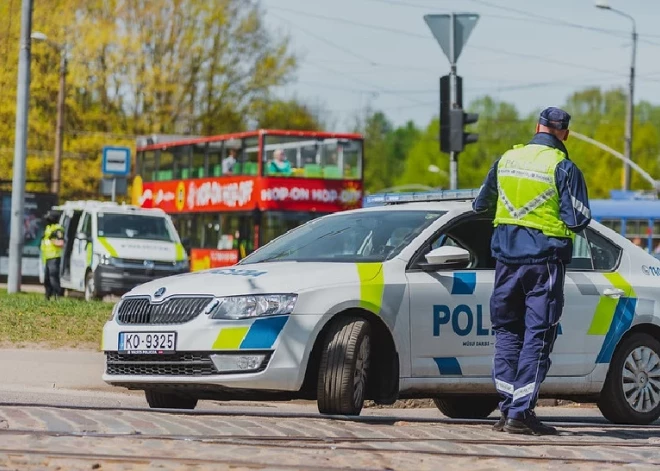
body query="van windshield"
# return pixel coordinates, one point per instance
(134, 226)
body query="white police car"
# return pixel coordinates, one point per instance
(381, 303)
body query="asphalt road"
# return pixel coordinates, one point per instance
(56, 413)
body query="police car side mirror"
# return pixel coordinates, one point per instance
(81, 236)
(447, 257)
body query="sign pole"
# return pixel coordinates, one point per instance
(453, 156)
(452, 32)
(114, 188)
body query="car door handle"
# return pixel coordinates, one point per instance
(614, 292)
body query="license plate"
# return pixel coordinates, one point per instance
(147, 342)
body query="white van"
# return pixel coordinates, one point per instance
(111, 248)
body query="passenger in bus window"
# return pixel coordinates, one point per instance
(229, 162)
(279, 164)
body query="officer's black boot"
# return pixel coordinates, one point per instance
(530, 425)
(499, 425)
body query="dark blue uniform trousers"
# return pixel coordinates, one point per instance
(525, 308)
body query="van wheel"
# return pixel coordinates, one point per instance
(467, 407)
(91, 294)
(631, 394)
(161, 400)
(344, 367)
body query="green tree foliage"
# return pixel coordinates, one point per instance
(595, 113)
(136, 68)
(289, 115)
(386, 149)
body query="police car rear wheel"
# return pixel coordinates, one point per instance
(344, 367)
(631, 394)
(160, 400)
(467, 407)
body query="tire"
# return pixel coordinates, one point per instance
(160, 400)
(344, 367)
(639, 352)
(91, 293)
(467, 407)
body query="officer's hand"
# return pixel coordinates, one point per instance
(58, 243)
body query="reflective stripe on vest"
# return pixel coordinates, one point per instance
(527, 191)
(48, 249)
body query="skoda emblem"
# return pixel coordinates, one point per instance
(159, 292)
(149, 264)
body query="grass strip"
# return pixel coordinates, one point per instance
(27, 319)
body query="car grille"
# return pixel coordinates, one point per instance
(140, 266)
(171, 311)
(176, 364)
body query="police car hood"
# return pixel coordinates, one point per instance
(141, 249)
(279, 277)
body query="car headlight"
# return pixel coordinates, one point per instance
(106, 260)
(115, 309)
(243, 307)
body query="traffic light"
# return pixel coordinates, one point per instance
(469, 137)
(453, 136)
(445, 106)
(457, 137)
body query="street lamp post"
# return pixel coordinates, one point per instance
(16, 228)
(59, 126)
(602, 4)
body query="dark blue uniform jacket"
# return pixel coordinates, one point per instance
(523, 245)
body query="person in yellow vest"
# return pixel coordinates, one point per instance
(52, 245)
(540, 201)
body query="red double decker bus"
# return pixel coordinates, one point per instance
(230, 194)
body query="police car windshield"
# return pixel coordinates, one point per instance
(372, 236)
(134, 226)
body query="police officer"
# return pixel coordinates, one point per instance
(51, 251)
(540, 201)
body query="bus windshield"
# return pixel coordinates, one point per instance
(373, 236)
(134, 226)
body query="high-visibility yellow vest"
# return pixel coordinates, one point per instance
(48, 249)
(527, 191)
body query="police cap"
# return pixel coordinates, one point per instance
(554, 118)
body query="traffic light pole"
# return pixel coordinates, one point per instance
(453, 156)
(453, 136)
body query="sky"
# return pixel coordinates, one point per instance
(532, 53)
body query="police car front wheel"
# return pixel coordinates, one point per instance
(631, 394)
(344, 367)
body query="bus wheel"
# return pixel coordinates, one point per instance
(467, 407)
(91, 294)
(160, 400)
(631, 394)
(344, 366)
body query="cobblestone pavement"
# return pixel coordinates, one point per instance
(70, 438)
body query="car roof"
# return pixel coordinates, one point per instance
(459, 206)
(108, 207)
